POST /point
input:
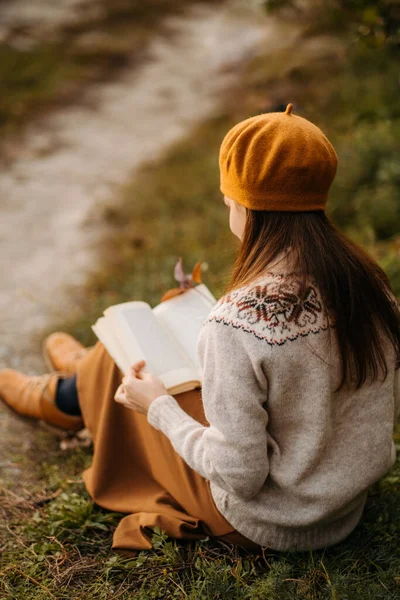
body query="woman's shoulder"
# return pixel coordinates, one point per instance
(270, 308)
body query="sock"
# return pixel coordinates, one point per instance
(67, 396)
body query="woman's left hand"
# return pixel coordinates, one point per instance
(138, 390)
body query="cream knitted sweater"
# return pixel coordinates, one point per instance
(289, 462)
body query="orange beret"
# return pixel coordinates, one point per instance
(277, 161)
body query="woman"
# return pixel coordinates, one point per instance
(295, 417)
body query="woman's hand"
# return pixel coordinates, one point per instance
(139, 390)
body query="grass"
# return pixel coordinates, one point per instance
(60, 548)
(56, 542)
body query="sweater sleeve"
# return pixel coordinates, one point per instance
(232, 450)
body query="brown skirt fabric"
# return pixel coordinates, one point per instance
(135, 469)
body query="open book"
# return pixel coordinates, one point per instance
(164, 336)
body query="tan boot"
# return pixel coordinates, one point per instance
(62, 352)
(33, 396)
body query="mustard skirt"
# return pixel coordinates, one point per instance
(135, 470)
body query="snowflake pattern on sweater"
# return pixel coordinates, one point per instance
(272, 310)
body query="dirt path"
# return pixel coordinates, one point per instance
(73, 160)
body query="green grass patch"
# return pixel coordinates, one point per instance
(60, 548)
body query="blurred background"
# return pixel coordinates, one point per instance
(111, 117)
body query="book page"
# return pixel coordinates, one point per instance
(143, 337)
(107, 337)
(184, 316)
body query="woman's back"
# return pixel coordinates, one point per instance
(324, 448)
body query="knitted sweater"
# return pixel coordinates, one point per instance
(288, 460)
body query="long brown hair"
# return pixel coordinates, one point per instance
(352, 285)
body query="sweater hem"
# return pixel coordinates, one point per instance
(277, 537)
